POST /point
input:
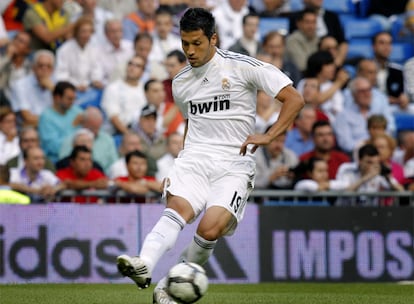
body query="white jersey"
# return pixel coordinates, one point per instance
(219, 101)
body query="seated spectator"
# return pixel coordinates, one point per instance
(81, 137)
(48, 24)
(409, 81)
(267, 111)
(114, 51)
(318, 178)
(81, 175)
(7, 195)
(248, 44)
(137, 182)
(14, 64)
(32, 94)
(123, 100)
(28, 138)
(366, 175)
(324, 142)
(130, 142)
(153, 141)
(59, 120)
(169, 117)
(140, 21)
(77, 61)
(175, 61)
(9, 141)
(274, 164)
(104, 150)
(175, 143)
(34, 179)
(405, 154)
(299, 139)
(310, 90)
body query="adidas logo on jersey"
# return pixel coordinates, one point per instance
(205, 81)
(220, 103)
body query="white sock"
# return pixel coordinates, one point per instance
(198, 251)
(162, 237)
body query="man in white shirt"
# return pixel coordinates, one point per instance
(175, 144)
(123, 100)
(215, 171)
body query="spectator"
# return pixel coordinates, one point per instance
(366, 175)
(140, 21)
(409, 80)
(28, 138)
(267, 111)
(118, 7)
(48, 24)
(321, 65)
(137, 182)
(34, 179)
(114, 51)
(7, 195)
(130, 142)
(9, 141)
(274, 53)
(272, 8)
(324, 142)
(304, 41)
(386, 145)
(169, 118)
(318, 178)
(14, 64)
(390, 77)
(274, 164)
(299, 139)
(78, 62)
(153, 141)
(32, 94)
(310, 90)
(175, 143)
(123, 100)
(405, 154)
(175, 61)
(229, 15)
(81, 175)
(103, 150)
(59, 120)
(248, 44)
(81, 137)
(164, 40)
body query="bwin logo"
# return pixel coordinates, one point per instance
(220, 103)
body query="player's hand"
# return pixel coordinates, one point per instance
(256, 140)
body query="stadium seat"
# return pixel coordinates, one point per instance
(360, 48)
(279, 24)
(296, 5)
(362, 7)
(340, 6)
(404, 121)
(360, 27)
(401, 51)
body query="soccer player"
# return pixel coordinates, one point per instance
(215, 171)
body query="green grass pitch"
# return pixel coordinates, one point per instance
(269, 293)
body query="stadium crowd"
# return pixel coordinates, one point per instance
(86, 101)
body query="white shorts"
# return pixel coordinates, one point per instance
(205, 183)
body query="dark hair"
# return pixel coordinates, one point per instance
(4, 174)
(305, 11)
(310, 164)
(251, 14)
(163, 10)
(319, 124)
(135, 153)
(375, 37)
(5, 111)
(177, 53)
(149, 82)
(79, 149)
(61, 87)
(198, 19)
(377, 119)
(367, 150)
(316, 61)
(142, 36)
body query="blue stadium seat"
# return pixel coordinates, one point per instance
(401, 51)
(404, 121)
(340, 6)
(361, 27)
(296, 5)
(280, 24)
(360, 48)
(362, 7)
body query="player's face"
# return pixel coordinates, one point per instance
(197, 47)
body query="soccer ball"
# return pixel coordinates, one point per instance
(187, 282)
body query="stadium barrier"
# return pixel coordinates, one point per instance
(68, 242)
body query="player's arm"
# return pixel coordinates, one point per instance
(292, 103)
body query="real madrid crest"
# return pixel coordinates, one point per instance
(225, 84)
